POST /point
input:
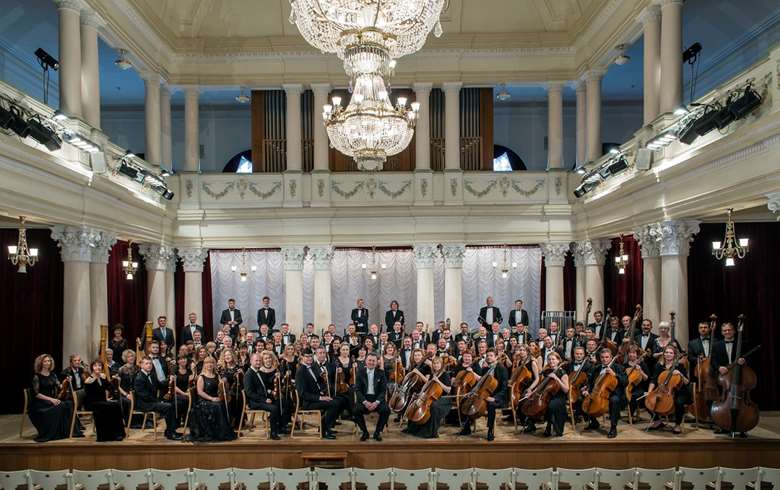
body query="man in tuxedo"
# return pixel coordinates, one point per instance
(645, 339)
(614, 331)
(360, 317)
(725, 351)
(396, 336)
(370, 397)
(394, 315)
(278, 343)
(260, 397)
(701, 346)
(188, 331)
(417, 341)
(287, 337)
(598, 324)
(494, 336)
(498, 398)
(373, 334)
(518, 315)
(616, 399)
(146, 386)
(567, 344)
(313, 394)
(231, 316)
(266, 315)
(265, 333)
(521, 334)
(163, 333)
(74, 371)
(489, 313)
(159, 364)
(464, 334)
(439, 332)
(406, 352)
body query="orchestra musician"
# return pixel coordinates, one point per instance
(145, 388)
(370, 389)
(521, 334)
(287, 337)
(406, 352)
(313, 394)
(229, 370)
(107, 414)
(635, 362)
(359, 317)
(50, 415)
(489, 313)
(183, 378)
(645, 339)
(126, 375)
(439, 408)
(494, 336)
(498, 398)
(118, 343)
(464, 334)
(681, 396)
(614, 331)
(231, 316)
(394, 315)
(554, 332)
(209, 420)
(162, 332)
(556, 409)
(260, 387)
(518, 316)
(76, 373)
(188, 331)
(701, 346)
(724, 352)
(266, 315)
(598, 324)
(523, 357)
(616, 398)
(568, 344)
(582, 363)
(373, 334)
(397, 335)
(664, 338)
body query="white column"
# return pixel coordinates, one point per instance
(579, 89)
(579, 288)
(98, 283)
(321, 92)
(593, 256)
(293, 127)
(651, 23)
(554, 125)
(422, 145)
(293, 287)
(452, 125)
(676, 236)
(170, 293)
(649, 237)
(191, 129)
(554, 258)
(70, 57)
(165, 127)
(453, 281)
(153, 152)
(424, 255)
(192, 263)
(156, 258)
(593, 97)
(90, 69)
(76, 251)
(671, 55)
(321, 256)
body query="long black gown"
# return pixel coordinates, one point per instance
(51, 421)
(208, 421)
(109, 423)
(439, 409)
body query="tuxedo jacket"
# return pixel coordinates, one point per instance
(145, 389)
(266, 316)
(396, 338)
(517, 316)
(186, 334)
(393, 316)
(650, 340)
(719, 356)
(361, 385)
(493, 339)
(225, 316)
(598, 329)
(483, 315)
(72, 373)
(255, 392)
(361, 322)
(406, 357)
(696, 349)
(466, 337)
(288, 339)
(165, 334)
(609, 333)
(309, 389)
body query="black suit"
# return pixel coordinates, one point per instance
(615, 335)
(406, 357)
(394, 316)
(361, 322)
(309, 391)
(224, 318)
(696, 349)
(649, 343)
(161, 335)
(720, 357)
(186, 334)
(483, 316)
(598, 329)
(361, 394)
(396, 338)
(466, 337)
(266, 316)
(518, 316)
(145, 388)
(257, 393)
(618, 397)
(288, 339)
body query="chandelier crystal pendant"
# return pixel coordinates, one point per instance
(505, 265)
(20, 255)
(731, 247)
(242, 271)
(621, 259)
(129, 266)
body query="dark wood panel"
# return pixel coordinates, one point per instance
(486, 126)
(258, 129)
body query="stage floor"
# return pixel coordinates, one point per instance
(633, 447)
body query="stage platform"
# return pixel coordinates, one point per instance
(633, 447)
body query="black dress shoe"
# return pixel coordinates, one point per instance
(466, 431)
(364, 436)
(275, 436)
(547, 433)
(490, 435)
(529, 429)
(377, 436)
(173, 436)
(405, 430)
(612, 433)
(593, 426)
(742, 435)
(328, 435)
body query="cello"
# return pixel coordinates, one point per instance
(419, 410)
(536, 403)
(521, 377)
(410, 385)
(474, 403)
(596, 403)
(736, 412)
(606, 341)
(660, 400)
(577, 380)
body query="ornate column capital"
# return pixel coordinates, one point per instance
(554, 86)
(82, 244)
(91, 19)
(101, 246)
(422, 87)
(292, 88)
(449, 87)
(157, 257)
(676, 236)
(554, 253)
(321, 88)
(321, 256)
(649, 239)
(576, 253)
(293, 257)
(453, 255)
(192, 258)
(773, 202)
(652, 13)
(593, 252)
(75, 5)
(594, 74)
(425, 254)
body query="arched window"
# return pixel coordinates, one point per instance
(241, 163)
(506, 160)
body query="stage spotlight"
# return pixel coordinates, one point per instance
(131, 172)
(47, 60)
(690, 54)
(618, 165)
(5, 117)
(724, 117)
(707, 121)
(687, 133)
(745, 104)
(44, 135)
(584, 188)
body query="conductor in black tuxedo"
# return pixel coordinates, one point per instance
(394, 315)
(518, 315)
(266, 315)
(314, 396)
(188, 330)
(163, 333)
(145, 388)
(489, 314)
(360, 317)
(370, 395)
(231, 316)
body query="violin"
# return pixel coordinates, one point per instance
(736, 412)
(410, 385)
(474, 403)
(628, 339)
(660, 400)
(536, 403)
(596, 403)
(419, 410)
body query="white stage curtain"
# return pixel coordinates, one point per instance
(481, 279)
(349, 281)
(267, 280)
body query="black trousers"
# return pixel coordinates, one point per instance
(166, 410)
(361, 411)
(680, 400)
(615, 405)
(329, 409)
(556, 414)
(274, 414)
(633, 404)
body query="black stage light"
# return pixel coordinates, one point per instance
(691, 53)
(618, 165)
(723, 117)
(166, 193)
(17, 123)
(44, 135)
(584, 188)
(745, 104)
(5, 117)
(47, 60)
(707, 121)
(687, 133)
(131, 172)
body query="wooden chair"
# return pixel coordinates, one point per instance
(299, 414)
(248, 412)
(144, 417)
(190, 394)
(26, 408)
(79, 412)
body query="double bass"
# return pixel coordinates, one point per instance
(474, 403)
(628, 339)
(596, 403)
(606, 341)
(705, 389)
(736, 412)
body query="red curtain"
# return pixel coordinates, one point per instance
(32, 313)
(543, 287)
(127, 299)
(622, 292)
(178, 294)
(749, 288)
(207, 320)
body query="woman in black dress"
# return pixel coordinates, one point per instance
(522, 357)
(109, 423)
(126, 375)
(556, 410)
(182, 385)
(209, 419)
(50, 416)
(669, 361)
(118, 344)
(439, 408)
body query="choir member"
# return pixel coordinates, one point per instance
(394, 315)
(359, 317)
(210, 420)
(370, 389)
(489, 313)
(260, 389)
(617, 397)
(669, 361)
(313, 395)
(145, 396)
(266, 315)
(50, 415)
(107, 414)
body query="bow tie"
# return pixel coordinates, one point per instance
(729, 341)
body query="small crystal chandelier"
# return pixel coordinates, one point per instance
(129, 266)
(731, 246)
(505, 265)
(19, 254)
(621, 259)
(373, 267)
(242, 272)
(503, 95)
